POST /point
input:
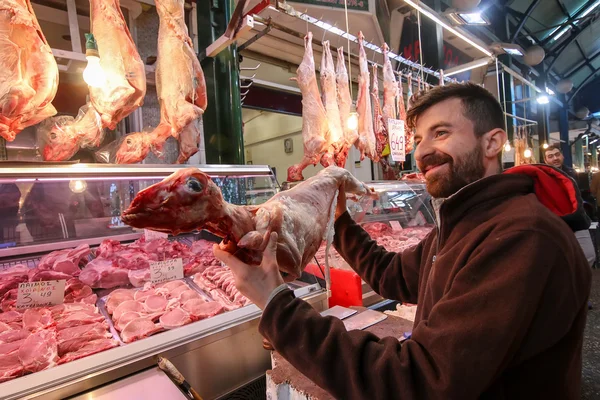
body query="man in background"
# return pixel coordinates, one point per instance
(553, 156)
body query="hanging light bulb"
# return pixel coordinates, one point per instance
(353, 121)
(93, 74)
(77, 186)
(545, 146)
(507, 146)
(527, 153)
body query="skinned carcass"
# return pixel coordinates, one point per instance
(28, 70)
(180, 83)
(345, 105)
(332, 110)
(315, 129)
(366, 140)
(379, 125)
(125, 85)
(189, 200)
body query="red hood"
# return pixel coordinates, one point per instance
(553, 188)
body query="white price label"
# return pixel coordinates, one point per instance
(397, 139)
(151, 235)
(40, 294)
(396, 227)
(164, 271)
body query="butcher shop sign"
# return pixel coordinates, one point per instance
(397, 139)
(168, 270)
(40, 294)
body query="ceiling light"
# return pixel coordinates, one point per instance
(590, 9)
(467, 67)
(543, 99)
(550, 91)
(527, 153)
(437, 20)
(545, 145)
(507, 146)
(508, 48)
(594, 141)
(473, 17)
(561, 33)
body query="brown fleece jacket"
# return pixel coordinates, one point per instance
(501, 287)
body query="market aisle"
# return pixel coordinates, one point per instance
(591, 345)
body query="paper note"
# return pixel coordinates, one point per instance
(397, 139)
(40, 294)
(151, 235)
(164, 271)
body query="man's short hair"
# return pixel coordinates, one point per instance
(479, 105)
(553, 147)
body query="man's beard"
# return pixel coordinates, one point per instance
(463, 171)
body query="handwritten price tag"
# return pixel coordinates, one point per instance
(40, 294)
(397, 139)
(168, 270)
(151, 235)
(396, 227)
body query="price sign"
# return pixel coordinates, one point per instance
(396, 227)
(151, 235)
(397, 139)
(40, 294)
(168, 270)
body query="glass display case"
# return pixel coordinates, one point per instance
(400, 218)
(61, 223)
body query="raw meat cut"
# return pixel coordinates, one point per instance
(188, 295)
(117, 297)
(345, 104)
(28, 70)
(11, 316)
(189, 142)
(329, 89)
(175, 318)
(88, 348)
(139, 277)
(102, 273)
(129, 305)
(390, 88)
(379, 126)
(4, 327)
(134, 148)
(14, 335)
(37, 318)
(200, 309)
(8, 348)
(48, 275)
(77, 318)
(126, 318)
(315, 128)
(87, 330)
(155, 303)
(139, 328)
(39, 351)
(125, 85)
(218, 294)
(10, 367)
(366, 135)
(189, 200)
(180, 84)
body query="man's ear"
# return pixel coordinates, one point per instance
(494, 141)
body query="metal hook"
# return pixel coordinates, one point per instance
(248, 78)
(245, 93)
(250, 69)
(247, 86)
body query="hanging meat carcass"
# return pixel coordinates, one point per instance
(125, 85)
(180, 83)
(28, 71)
(332, 110)
(366, 139)
(390, 88)
(189, 200)
(345, 105)
(315, 128)
(379, 126)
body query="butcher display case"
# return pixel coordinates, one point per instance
(400, 218)
(61, 222)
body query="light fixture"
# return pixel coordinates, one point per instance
(594, 141)
(434, 18)
(353, 120)
(507, 147)
(93, 74)
(472, 17)
(77, 186)
(527, 153)
(561, 33)
(468, 66)
(550, 91)
(508, 48)
(543, 99)
(589, 10)
(545, 146)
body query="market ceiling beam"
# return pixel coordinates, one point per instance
(569, 21)
(582, 84)
(524, 19)
(585, 63)
(574, 35)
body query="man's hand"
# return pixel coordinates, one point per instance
(342, 206)
(256, 282)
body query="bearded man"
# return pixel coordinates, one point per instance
(501, 285)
